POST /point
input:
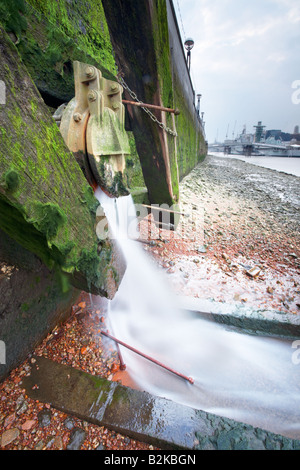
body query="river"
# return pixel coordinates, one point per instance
(284, 164)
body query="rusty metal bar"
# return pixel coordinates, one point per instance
(141, 240)
(122, 363)
(189, 379)
(152, 106)
(160, 209)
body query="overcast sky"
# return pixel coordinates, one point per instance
(245, 59)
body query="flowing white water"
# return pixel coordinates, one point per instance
(247, 378)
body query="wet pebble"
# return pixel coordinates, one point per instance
(9, 436)
(22, 406)
(44, 418)
(69, 423)
(77, 438)
(201, 249)
(100, 447)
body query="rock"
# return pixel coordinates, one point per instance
(69, 423)
(270, 290)
(201, 249)
(28, 424)
(253, 272)
(9, 436)
(77, 438)
(58, 443)
(40, 445)
(22, 407)
(9, 420)
(44, 418)
(100, 447)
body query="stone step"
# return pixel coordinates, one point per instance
(142, 416)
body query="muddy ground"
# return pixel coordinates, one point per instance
(240, 240)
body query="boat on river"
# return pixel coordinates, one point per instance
(246, 144)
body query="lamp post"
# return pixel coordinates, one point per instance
(189, 44)
(198, 105)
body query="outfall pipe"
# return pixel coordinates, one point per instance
(189, 379)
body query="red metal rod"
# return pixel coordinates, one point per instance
(160, 209)
(189, 379)
(152, 106)
(122, 363)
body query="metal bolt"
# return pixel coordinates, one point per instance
(90, 71)
(115, 106)
(77, 117)
(114, 87)
(92, 95)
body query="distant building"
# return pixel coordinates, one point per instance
(258, 132)
(278, 135)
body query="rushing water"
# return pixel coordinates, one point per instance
(247, 378)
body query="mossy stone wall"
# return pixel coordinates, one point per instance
(46, 204)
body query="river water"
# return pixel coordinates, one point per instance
(251, 379)
(284, 164)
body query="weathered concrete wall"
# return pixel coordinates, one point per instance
(138, 39)
(48, 241)
(149, 56)
(191, 145)
(139, 36)
(33, 301)
(50, 36)
(132, 38)
(46, 204)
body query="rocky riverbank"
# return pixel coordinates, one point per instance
(237, 244)
(240, 242)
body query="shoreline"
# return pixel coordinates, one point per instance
(243, 247)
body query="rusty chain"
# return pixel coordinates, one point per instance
(147, 111)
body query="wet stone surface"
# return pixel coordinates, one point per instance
(140, 415)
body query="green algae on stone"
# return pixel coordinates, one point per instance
(44, 213)
(12, 16)
(48, 219)
(12, 180)
(56, 34)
